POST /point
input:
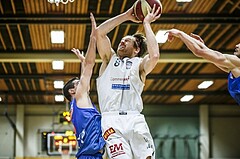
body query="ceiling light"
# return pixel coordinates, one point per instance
(60, 1)
(205, 84)
(186, 98)
(57, 37)
(0, 99)
(162, 36)
(58, 84)
(57, 65)
(59, 98)
(184, 1)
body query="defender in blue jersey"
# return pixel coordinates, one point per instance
(234, 87)
(84, 115)
(226, 62)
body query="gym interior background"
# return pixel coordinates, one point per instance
(205, 127)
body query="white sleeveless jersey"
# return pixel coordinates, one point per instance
(120, 87)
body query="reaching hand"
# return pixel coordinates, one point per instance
(93, 22)
(79, 54)
(153, 15)
(197, 37)
(173, 33)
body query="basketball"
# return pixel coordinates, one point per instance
(140, 8)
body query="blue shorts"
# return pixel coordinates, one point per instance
(89, 157)
(94, 156)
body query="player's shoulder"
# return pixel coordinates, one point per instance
(233, 59)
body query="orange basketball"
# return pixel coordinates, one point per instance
(140, 8)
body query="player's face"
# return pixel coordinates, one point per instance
(237, 50)
(126, 47)
(75, 83)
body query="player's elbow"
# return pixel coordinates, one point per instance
(99, 33)
(89, 62)
(155, 55)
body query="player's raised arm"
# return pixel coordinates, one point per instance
(196, 45)
(150, 60)
(89, 60)
(103, 43)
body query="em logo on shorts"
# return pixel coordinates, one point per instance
(116, 149)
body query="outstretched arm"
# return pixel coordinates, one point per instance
(232, 58)
(88, 64)
(89, 59)
(151, 59)
(196, 45)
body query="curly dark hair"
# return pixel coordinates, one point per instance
(68, 86)
(141, 43)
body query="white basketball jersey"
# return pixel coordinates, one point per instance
(120, 87)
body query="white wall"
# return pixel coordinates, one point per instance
(32, 125)
(225, 137)
(6, 136)
(174, 137)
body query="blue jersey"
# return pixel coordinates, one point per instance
(87, 124)
(234, 87)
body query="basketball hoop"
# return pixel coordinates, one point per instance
(65, 150)
(61, 143)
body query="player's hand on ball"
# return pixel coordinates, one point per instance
(132, 17)
(152, 15)
(142, 8)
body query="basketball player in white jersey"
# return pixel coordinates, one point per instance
(120, 84)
